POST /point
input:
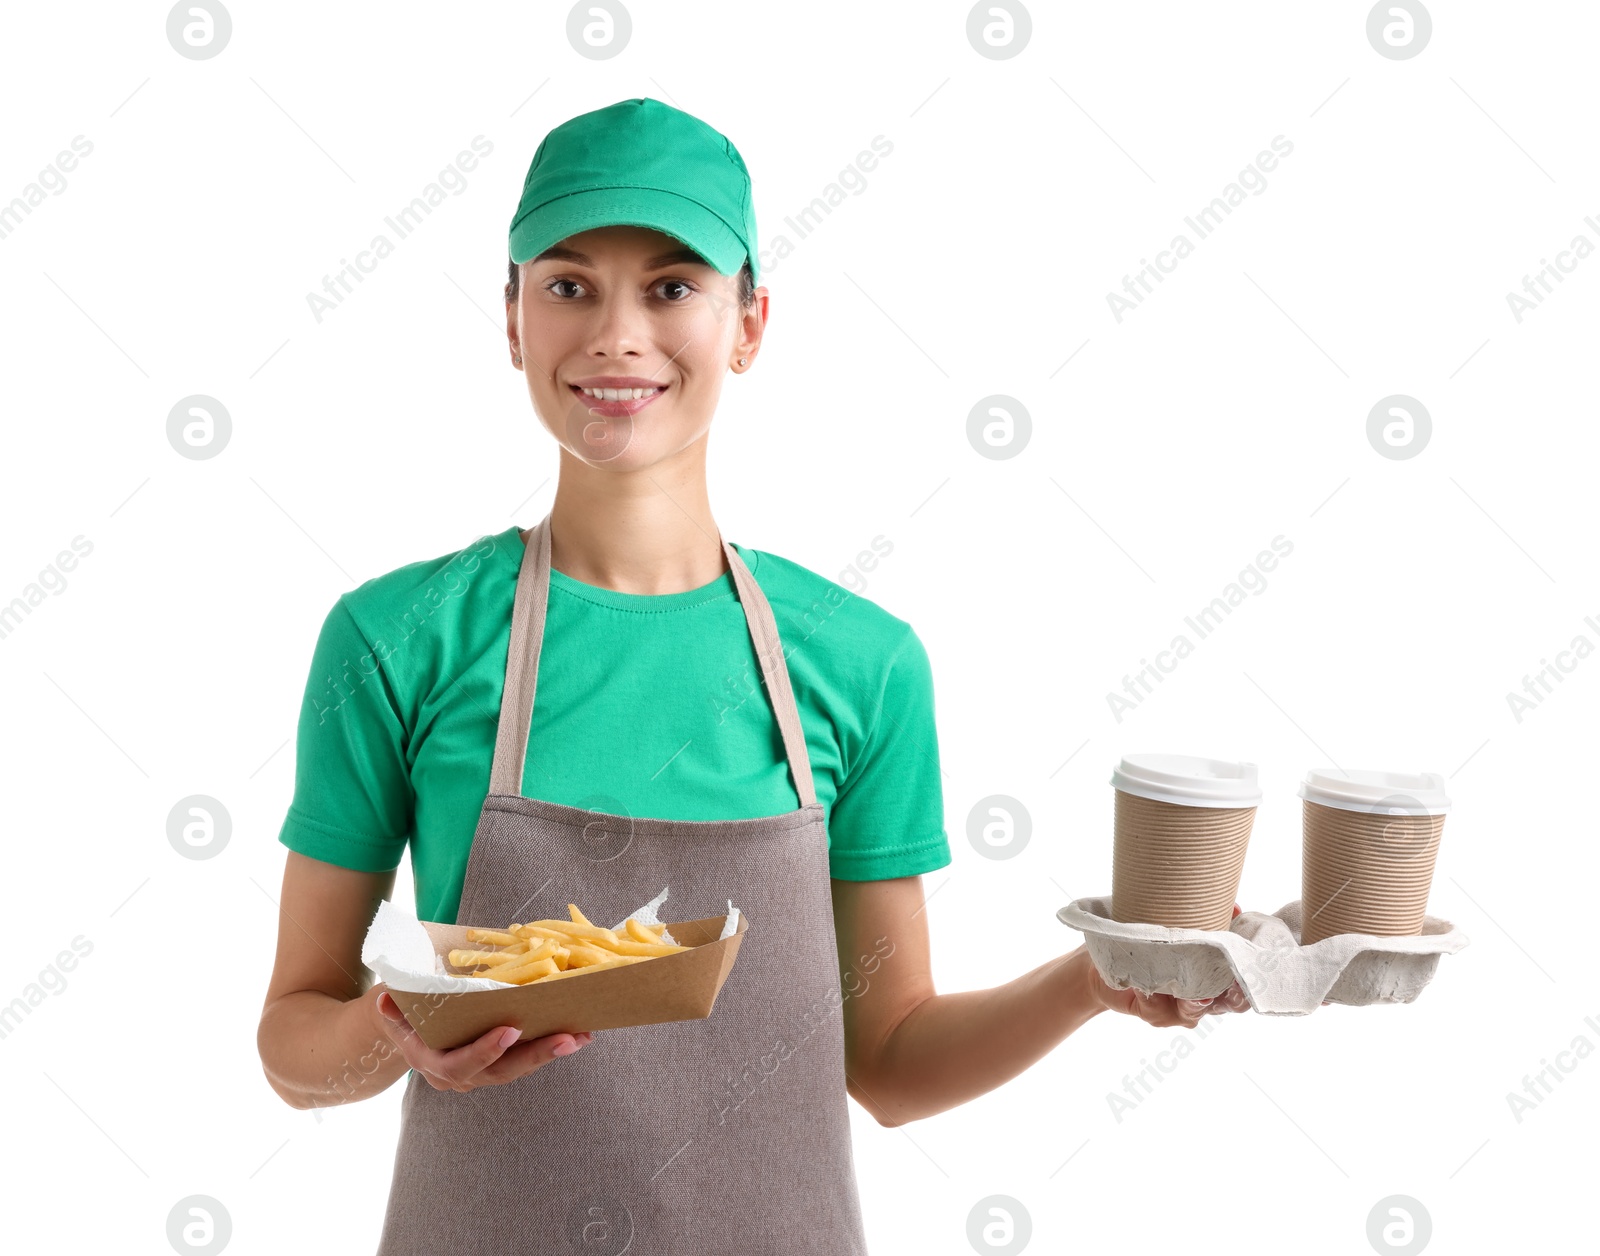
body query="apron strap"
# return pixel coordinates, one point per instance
(522, 663)
(763, 627)
(527, 637)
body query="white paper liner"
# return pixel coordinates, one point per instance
(646, 915)
(398, 949)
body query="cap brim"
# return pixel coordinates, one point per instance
(667, 212)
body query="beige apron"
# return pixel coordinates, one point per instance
(728, 1136)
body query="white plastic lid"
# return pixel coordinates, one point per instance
(1384, 793)
(1188, 780)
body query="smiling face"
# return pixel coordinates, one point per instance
(625, 334)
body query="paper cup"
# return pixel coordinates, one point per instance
(1181, 828)
(1370, 840)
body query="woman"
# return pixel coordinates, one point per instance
(675, 741)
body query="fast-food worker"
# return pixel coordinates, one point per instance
(615, 700)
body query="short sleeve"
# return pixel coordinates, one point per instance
(352, 801)
(888, 817)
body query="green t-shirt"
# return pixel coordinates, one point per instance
(646, 705)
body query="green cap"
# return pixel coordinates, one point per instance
(639, 163)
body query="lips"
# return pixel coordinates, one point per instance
(616, 396)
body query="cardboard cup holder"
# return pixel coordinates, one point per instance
(1279, 975)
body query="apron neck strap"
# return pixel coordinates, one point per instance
(527, 636)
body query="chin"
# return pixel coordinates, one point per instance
(607, 442)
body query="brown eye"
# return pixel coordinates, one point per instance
(674, 289)
(557, 287)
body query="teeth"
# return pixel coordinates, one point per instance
(620, 394)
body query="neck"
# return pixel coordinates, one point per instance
(648, 533)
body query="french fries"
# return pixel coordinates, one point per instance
(575, 929)
(643, 932)
(492, 936)
(546, 950)
(471, 959)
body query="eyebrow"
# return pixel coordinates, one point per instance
(678, 257)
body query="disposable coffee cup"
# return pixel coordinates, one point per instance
(1370, 840)
(1181, 827)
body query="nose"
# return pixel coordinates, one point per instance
(620, 329)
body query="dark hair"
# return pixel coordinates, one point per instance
(747, 283)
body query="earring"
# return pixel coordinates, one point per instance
(742, 361)
(516, 358)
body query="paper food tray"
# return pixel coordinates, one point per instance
(1278, 975)
(668, 988)
(447, 1010)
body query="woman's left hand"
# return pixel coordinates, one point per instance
(1165, 1010)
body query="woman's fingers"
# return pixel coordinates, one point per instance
(460, 1066)
(412, 1048)
(399, 1028)
(525, 1057)
(444, 1069)
(1193, 1009)
(1163, 1011)
(1153, 1009)
(1166, 1010)
(496, 1056)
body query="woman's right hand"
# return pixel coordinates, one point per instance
(490, 1060)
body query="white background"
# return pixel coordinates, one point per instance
(1230, 408)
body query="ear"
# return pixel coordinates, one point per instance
(513, 331)
(752, 327)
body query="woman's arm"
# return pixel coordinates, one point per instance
(320, 1037)
(326, 1037)
(910, 1052)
